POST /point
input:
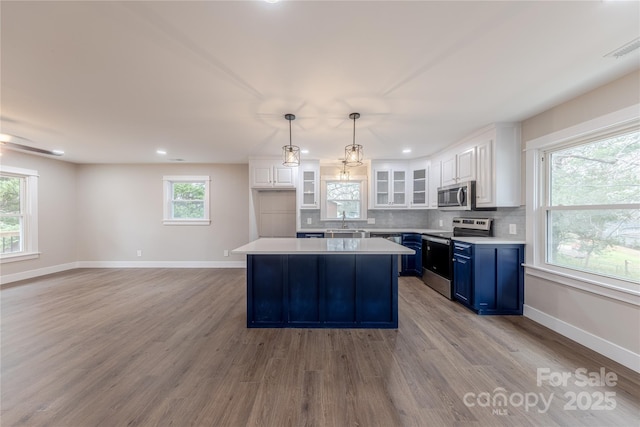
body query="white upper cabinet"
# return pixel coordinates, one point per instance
(466, 163)
(419, 184)
(459, 166)
(448, 170)
(434, 182)
(309, 180)
(389, 185)
(271, 173)
(499, 152)
(485, 178)
(491, 157)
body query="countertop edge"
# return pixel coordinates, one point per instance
(336, 246)
(489, 241)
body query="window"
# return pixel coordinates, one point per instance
(593, 206)
(343, 197)
(186, 200)
(18, 214)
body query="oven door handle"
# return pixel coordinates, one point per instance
(437, 240)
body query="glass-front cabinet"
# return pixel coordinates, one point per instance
(309, 184)
(390, 188)
(419, 184)
(419, 193)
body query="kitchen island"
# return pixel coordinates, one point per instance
(322, 283)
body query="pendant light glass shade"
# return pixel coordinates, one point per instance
(353, 153)
(290, 152)
(344, 173)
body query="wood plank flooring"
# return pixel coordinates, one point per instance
(103, 347)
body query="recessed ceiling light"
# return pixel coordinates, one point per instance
(58, 152)
(272, 1)
(406, 150)
(304, 151)
(161, 152)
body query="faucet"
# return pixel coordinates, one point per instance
(344, 224)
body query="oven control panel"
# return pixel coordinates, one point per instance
(473, 223)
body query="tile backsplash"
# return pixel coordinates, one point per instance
(501, 220)
(426, 219)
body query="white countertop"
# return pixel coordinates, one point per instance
(378, 230)
(374, 246)
(474, 240)
(489, 240)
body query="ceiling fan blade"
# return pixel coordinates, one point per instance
(15, 146)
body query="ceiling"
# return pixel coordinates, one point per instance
(210, 82)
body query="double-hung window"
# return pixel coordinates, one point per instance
(592, 205)
(343, 199)
(186, 200)
(18, 214)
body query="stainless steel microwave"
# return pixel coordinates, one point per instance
(457, 197)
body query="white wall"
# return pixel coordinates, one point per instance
(121, 208)
(614, 96)
(100, 215)
(57, 215)
(606, 322)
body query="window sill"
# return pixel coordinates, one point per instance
(22, 256)
(628, 292)
(186, 222)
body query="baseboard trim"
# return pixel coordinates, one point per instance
(30, 274)
(162, 264)
(611, 350)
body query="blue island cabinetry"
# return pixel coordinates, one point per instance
(489, 278)
(322, 291)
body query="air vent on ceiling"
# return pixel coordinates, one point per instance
(625, 49)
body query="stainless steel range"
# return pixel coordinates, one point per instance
(437, 251)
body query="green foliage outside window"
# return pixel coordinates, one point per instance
(188, 200)
(343, 197)
(603, 239)
(10, 214)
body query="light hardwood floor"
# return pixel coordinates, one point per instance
(151, 347)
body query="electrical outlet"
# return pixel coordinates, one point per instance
(139, 253)
(371, 220)
(512, 229)
(309, 221)
(226, 252)
(440, 222)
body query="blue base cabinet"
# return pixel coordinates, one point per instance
(322, 291)
(489, 279)
(412, 264)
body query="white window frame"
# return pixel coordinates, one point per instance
(29, 208)
(168, 200)
(362, 180)
(536, 205)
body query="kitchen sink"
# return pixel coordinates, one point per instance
(345, 233)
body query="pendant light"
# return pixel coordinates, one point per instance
(291, 152)
(353, 153)
(344, 173)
